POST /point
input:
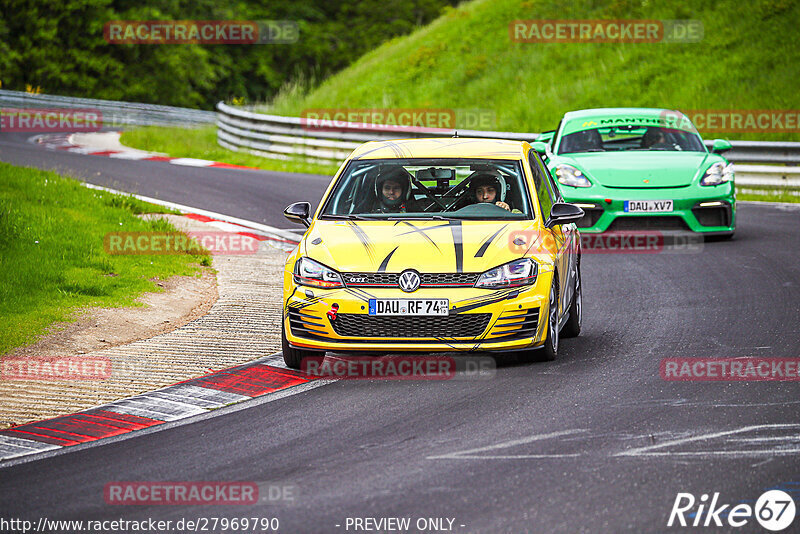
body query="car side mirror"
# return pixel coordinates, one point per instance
(563, 213)
(541, 148)
(299, 212)
(720, 145)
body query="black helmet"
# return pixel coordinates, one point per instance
(489, 177)
(396, 174)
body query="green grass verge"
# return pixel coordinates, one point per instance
(465, 60)
(201, 143)
(768, 195)
(52, 260)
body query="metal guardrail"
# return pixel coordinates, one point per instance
(275, 136)
(113, 113)
(280, 137)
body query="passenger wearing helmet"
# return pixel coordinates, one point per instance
(655, 138)
(393, 191)
(485, 186)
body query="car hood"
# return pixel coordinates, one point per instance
(640, 169)
(427, 246)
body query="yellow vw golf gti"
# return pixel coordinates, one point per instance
(435, 245)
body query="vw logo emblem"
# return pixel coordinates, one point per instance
(409, 281)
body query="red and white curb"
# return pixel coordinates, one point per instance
(179, 401)
(263, 377)
(68, 143)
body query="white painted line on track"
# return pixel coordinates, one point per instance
(471, 453)
(650, 450)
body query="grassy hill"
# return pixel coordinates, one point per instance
(748, 59)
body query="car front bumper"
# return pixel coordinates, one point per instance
(705, 210)
(337, 320)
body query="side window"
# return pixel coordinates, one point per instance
(544, 186)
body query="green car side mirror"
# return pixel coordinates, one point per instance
(720, 145)
(540, 147)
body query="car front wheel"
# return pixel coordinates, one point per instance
(549, 350)
(293, 358)
(572, 328)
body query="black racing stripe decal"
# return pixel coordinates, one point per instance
(499, 298)
(422, 231)
(385, 262)
(485, 245)
(458, 245)
(485, 298)
(362, 236)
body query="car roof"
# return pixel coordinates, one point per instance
(592, 118)
(442, 147)
(616, 112)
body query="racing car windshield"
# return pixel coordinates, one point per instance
(630, 137)
(430, 189)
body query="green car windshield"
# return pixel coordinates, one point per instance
(430, 189)
(630, 137)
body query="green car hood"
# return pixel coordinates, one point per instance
(640, 169)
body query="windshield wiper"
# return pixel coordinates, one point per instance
(426, 217)
(345, 217)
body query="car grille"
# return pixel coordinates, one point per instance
(713, 216)
(648, 222)
(516, 324)
(426, 279)
(590, 217)
(459, 325)
(306, 324)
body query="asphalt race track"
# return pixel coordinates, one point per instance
(250, 195)
(593, 442)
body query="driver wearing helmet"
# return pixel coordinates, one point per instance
(486, 186)
(393, 191)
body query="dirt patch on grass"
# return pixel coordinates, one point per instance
(184, 298)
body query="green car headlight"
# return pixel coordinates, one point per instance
(308, 272)
(569, 175)
(718, 173)
(517, 273)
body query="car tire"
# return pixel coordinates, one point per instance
(549, 351)
(293, 358)
(572, 328)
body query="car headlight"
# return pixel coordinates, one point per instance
(520, 272)
(717, 174)
(569, 175)
(308, 272)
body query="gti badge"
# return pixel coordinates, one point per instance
(409, 281)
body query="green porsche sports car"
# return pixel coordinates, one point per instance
(642, 169)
